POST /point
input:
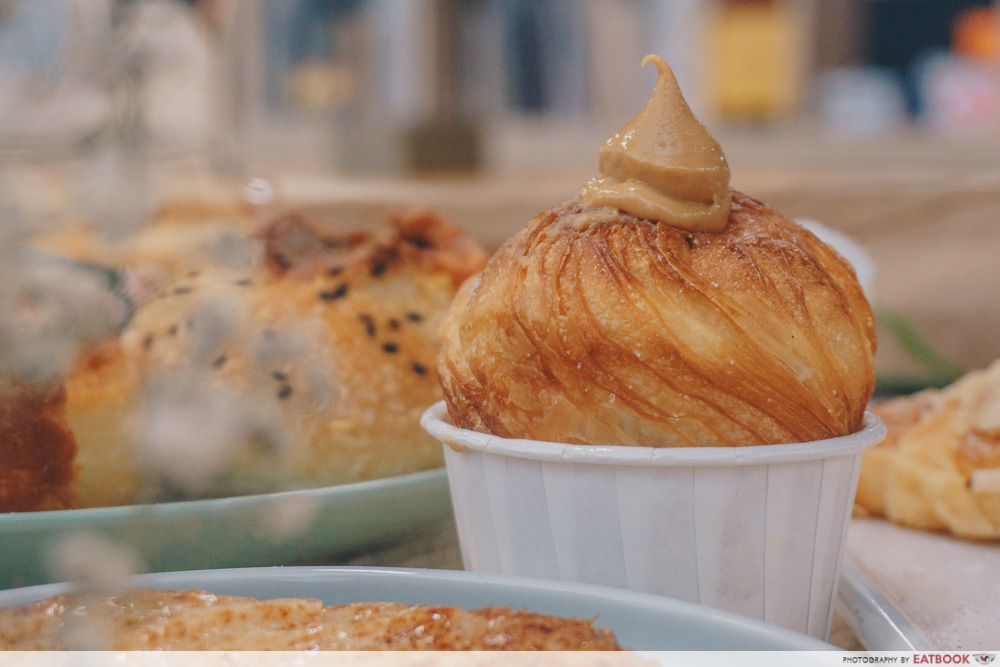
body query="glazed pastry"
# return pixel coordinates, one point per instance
(307, 365)
(939, 466)
(660, 308)
(198, 621)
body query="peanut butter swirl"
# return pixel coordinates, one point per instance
(664, 165)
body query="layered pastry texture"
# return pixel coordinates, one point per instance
(939, 466)
(198, 621)
(661, 308)
(303, 359)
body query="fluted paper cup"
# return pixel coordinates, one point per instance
(755, 530)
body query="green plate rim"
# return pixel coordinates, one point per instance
(203, 506)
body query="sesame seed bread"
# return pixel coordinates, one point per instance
(303, 359)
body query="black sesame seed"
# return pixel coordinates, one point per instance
(278, 375)
(419, 369)
(393, 323)
(189, 323)
(172, 331)
(335, 270)
(147, 342)
(418, 241)
(284, 392)
(414, 317)
(391, 348)
(336, 293)
(377, 270)
(281, 261)
(369, 324)
(183, 290)
(243, 283)
(218, 362)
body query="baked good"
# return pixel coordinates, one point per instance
(192, 620)
(48, 306)
(37, 449)
(296, 356)
(661, 308)
(939, 466)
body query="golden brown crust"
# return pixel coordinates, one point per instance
(900, 415)
(330, 336)
(101, 391)
(196, 620)
(592, 326)
(939, 466)
(36, 448)
(419, 240)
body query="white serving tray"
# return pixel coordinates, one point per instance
(911, 590)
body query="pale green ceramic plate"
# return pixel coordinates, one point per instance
(245, 531)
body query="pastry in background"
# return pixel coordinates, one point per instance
(37, 450)
(661, 308)
(295, 357)
(189, 206)
(48, 309)
(939, 466)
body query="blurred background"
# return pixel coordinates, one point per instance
(515, 84)
(879, 118)
(422, 86)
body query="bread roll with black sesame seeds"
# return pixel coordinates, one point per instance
(318, 358)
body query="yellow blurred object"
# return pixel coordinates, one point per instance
(755, 60)
(322, 86)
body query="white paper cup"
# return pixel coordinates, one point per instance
(755, 530)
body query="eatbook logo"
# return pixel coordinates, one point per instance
(985, 658)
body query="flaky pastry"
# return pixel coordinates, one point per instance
(661, 308)
(939, 466)
(593, 326)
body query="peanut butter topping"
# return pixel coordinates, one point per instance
(664, 165)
